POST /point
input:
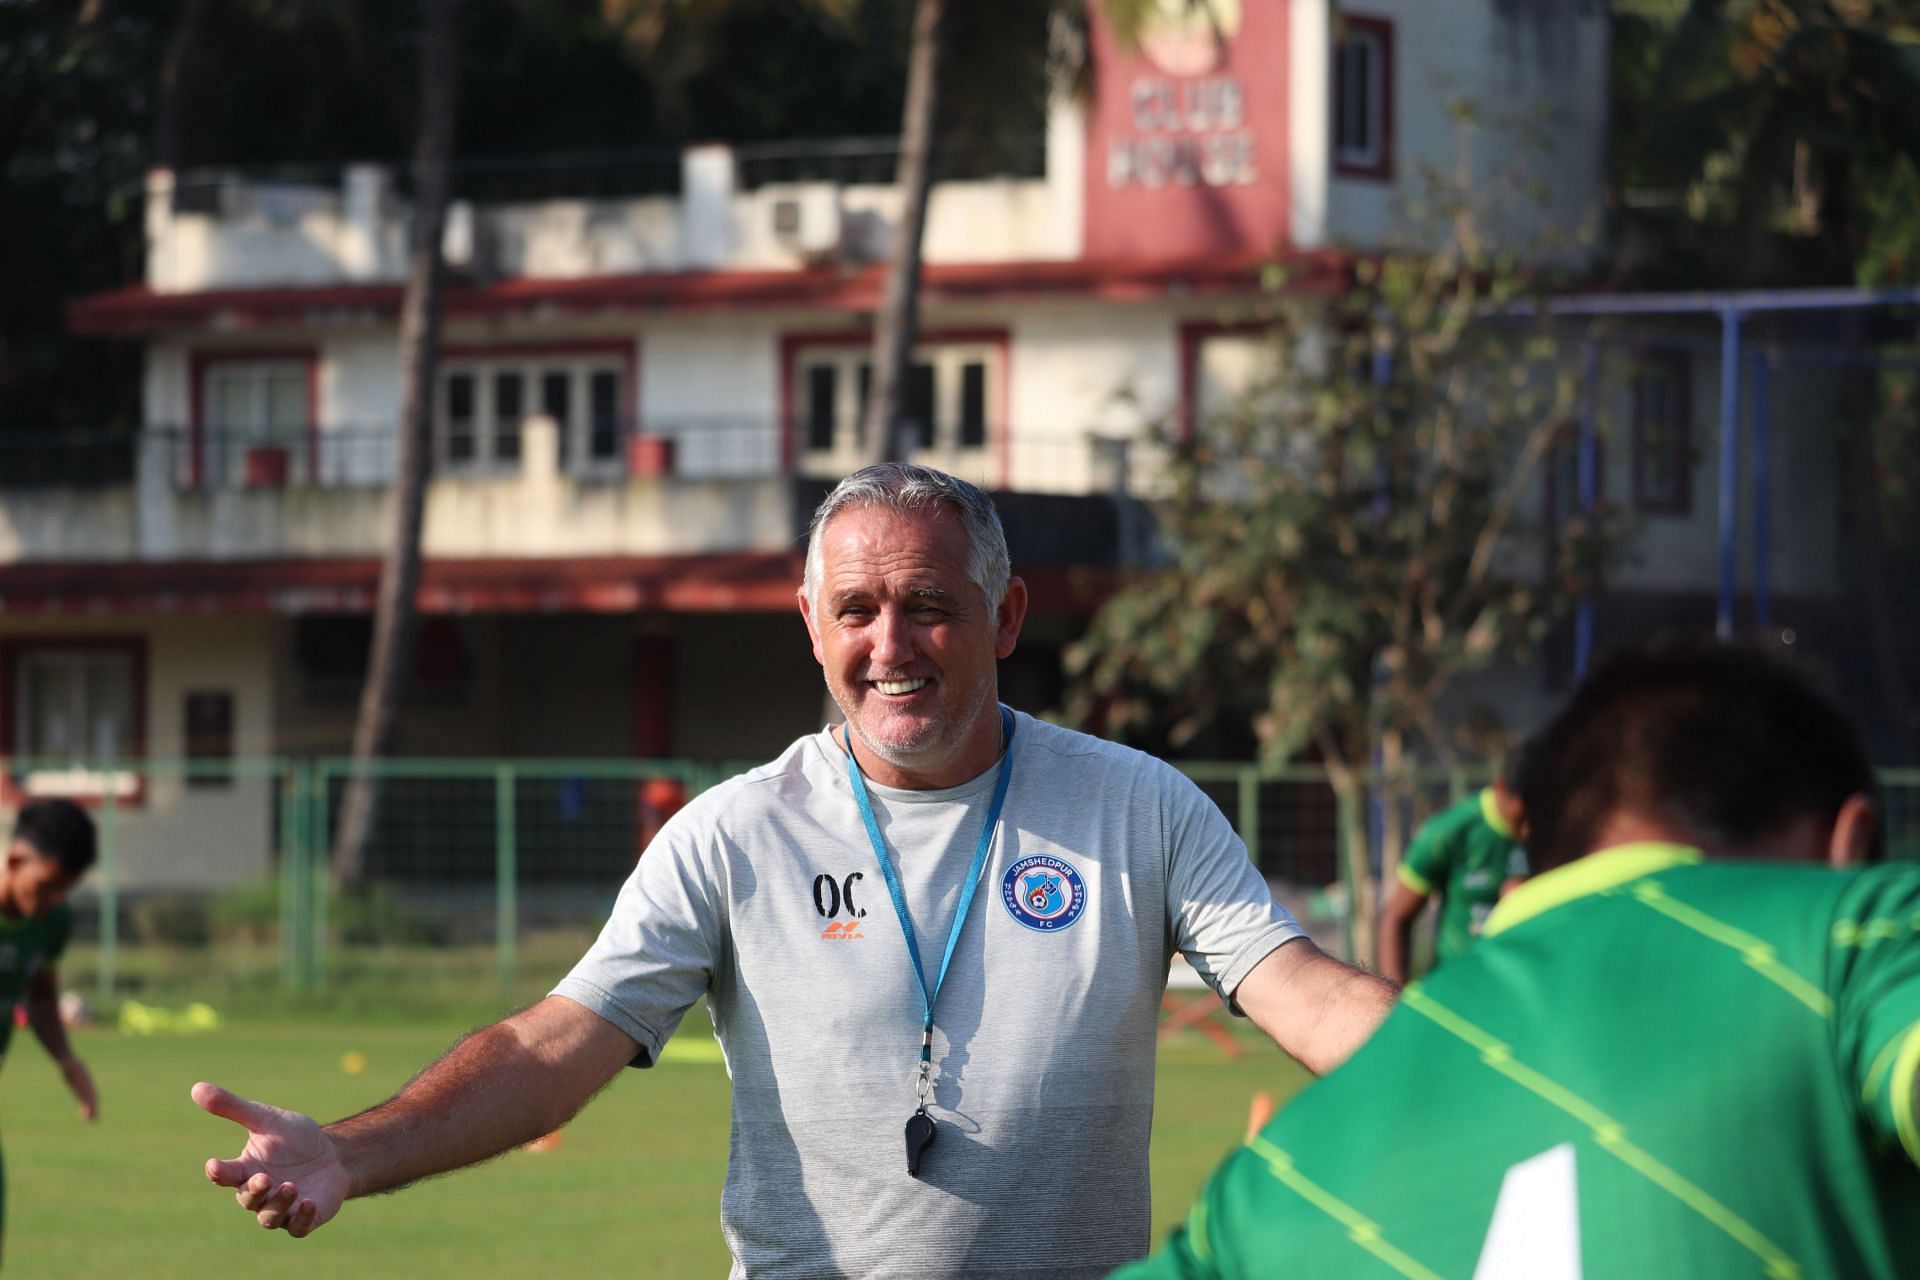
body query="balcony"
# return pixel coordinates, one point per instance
(689, 486)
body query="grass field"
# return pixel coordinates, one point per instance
(633, 1189)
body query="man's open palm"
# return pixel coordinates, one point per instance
(289, 1175)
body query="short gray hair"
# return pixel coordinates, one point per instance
(906, 488)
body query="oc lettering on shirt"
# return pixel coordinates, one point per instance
(833, 900)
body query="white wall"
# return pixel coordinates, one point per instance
(1536, 75)
(181, 836)
(277, 235)
(1083, 369)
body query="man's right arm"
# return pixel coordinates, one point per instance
(497, 1089)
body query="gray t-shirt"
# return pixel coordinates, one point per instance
(764, 895)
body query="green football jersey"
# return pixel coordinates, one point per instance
(1652, 1066)
(25, 946)
(1464, 853)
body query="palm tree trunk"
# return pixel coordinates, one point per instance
(167, 127)
(395, 609)
(897, 322)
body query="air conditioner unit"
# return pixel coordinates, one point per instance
(804, 216)
(457, 235)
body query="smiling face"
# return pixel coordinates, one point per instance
(908, 643)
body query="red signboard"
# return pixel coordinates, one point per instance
(1187, 134)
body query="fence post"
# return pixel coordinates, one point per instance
(506, 875)
(292, 811)
(319, 795)
(1249, 812)
(109, 883)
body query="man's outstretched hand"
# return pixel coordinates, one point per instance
(289, 1176)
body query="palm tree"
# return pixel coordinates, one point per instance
(396, 607)
(897, 322)
(983, 69)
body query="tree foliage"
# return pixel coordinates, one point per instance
(1354, 537)
(1771, 141)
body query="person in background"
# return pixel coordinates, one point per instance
(51, 847)
(1470, 854)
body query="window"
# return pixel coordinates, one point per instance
(950, 388)
(822, 405)
(248, 403)
(462, 443)
(1662, 435)
(508, 409)
(603, 427)
(485, 402)
(69, 707)
(973, 404)
(1363, 98)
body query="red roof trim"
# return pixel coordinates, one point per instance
(139, 310)
(744, 582)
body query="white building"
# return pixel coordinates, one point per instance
(641, 399)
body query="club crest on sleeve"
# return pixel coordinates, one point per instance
(1043, 893)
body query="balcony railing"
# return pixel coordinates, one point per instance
(31, 459)
(690, 449)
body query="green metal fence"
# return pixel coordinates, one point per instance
(488, 872)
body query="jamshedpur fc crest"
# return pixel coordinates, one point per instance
(1043, 893)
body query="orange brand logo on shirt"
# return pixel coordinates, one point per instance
(843, 931)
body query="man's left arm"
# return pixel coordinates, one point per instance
(1317, 1009)
(43, 1016)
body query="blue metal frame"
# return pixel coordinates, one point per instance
(1732, 307)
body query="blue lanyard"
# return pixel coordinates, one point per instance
(927, 997)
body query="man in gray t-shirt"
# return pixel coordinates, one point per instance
(933, 939)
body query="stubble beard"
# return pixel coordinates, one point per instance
(935, 736)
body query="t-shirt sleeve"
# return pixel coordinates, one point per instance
(1875, 950)
(1424, 866)
(657, 952)
(1222, 915)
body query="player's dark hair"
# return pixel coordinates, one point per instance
(1518, 762)
(1721, 740)
(58, 829)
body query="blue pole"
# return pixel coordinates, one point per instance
(1729, 463)
(1762, 484)
(1589, 482)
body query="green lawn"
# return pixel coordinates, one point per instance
(633, 1189)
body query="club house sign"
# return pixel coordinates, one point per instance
(1189, 120)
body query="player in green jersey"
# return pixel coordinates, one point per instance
(1470, 854)
(51, 848)
(1654, 1063)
